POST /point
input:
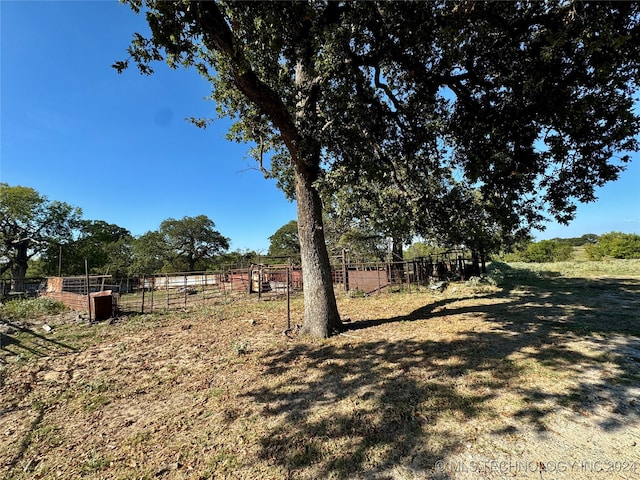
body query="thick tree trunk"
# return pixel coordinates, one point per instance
(321, 318)
(19, 268)
(397, 268)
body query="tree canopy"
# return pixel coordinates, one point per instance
(285, 240)
(191, 239)
(105, 246)
(530, 104)
(149, 254)
(616, 245)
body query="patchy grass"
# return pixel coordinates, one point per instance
(526, 367)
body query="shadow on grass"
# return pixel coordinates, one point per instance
(345, 409)
(26, 341)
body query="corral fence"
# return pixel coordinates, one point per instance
(149, 293)
(30, 288)
(376, 277)
(88, 293)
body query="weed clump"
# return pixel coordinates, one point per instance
(25, 309)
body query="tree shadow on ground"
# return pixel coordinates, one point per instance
(352, 408)
(24, 340)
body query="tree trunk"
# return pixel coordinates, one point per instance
(397, 268)
(19, 268)
(321, 317)
(321, 311)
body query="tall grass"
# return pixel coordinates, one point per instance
(586, 269)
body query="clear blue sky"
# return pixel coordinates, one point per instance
(118, 146)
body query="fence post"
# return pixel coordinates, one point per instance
(144, 287)
(86, 271)
(405, 271)
(224, 287)
(288, 298)
(186, 292)
(345, 276)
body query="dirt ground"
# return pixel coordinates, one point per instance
(538, 377)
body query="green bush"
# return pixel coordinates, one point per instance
(616, 245)
(30, 308)
(543, 251)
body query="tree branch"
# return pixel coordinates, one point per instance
(219, 37)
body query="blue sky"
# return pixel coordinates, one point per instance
(118, 146)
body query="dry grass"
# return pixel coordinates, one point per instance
(520, 370)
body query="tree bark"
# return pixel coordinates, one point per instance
(19, 268)
(321, 317)
(397, 269)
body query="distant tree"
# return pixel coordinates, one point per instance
(368, 246)
(421, 250)
(616, 245)
(546, 251)
(589, 239)
(586, 239)
(285, 240)
(105, 246)
(466, 218)
(345, 234)
(236, 259)
(532, 102)
(150, 254)
(378, 216)
(29, 224)
(192, 239)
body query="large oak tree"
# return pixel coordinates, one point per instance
(530, 102)
(192, 239)
(30, 223)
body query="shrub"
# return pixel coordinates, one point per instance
(30, 308)
(616, 245)
(545, 251)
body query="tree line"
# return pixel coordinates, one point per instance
(615, 245)
(48, 238)
(45, 238)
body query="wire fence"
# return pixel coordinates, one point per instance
(31, 286)
(151, 293)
